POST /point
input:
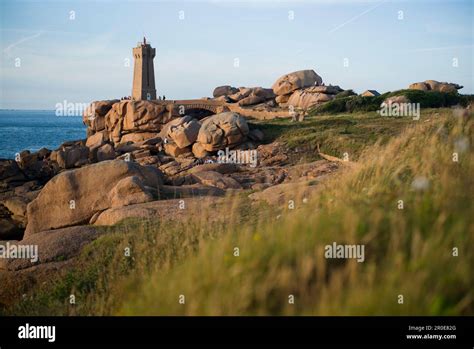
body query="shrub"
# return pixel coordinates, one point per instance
(360, 103)
(346, 93)
(427, 99)
(335, 106)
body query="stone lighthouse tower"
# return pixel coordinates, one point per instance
(143, 72)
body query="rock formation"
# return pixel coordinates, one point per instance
(74, 196)
(296, 80)
(433, 85)
(311, 96)
(182, 131)
(224, 91)
(140, 157)
(222, 130)
(71, 154)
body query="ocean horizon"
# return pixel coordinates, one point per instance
(33, 129)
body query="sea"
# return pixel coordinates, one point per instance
(35, 129)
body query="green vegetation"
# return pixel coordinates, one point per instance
(408, 251)
(427, 99)
(336, 135)
(346, 93)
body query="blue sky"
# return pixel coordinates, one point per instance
(84, 59)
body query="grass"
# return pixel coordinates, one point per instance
(408, 251)
(337, 134)
(103, 274)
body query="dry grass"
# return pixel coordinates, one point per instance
(408, 252)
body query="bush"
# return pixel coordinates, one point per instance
(346, 93)
(349, 104)
(335, 106)
(360, 103)
(427, 99)
(465, 100)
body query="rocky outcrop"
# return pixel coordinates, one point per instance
(216, 179)
(9, 229)
(330, 90)
(16, 205)
(251, 100)
(303, 89)
(94, 115)
(17, 189)
(74, 196)
(151, 210)
(135, 117)
(199, 151)
(144, 116)
(53, 245)
(265, 93)
(171, 209)
(241, 94)
(96, 140)
(37, 165)
(173, 149)
(137, 137)
(173, 167)
(247, 96)
(433, 85)
(10, 172)
(272, 154)
(131, 123)
(419, 86)
(189, 191)
(282, 98)
(182, 131)
(222, 168)
(299, 193)
(13, 204)
(296, 80)
(225, 90)
(443, 86)
(222, 130)
(105, 152)
(71, 154)
(256, 135)
(307, 98)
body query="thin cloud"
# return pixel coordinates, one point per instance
(357, 16)
(8, 49)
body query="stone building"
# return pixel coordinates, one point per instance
(143, 72)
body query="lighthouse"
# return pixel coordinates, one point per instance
(143, 72)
